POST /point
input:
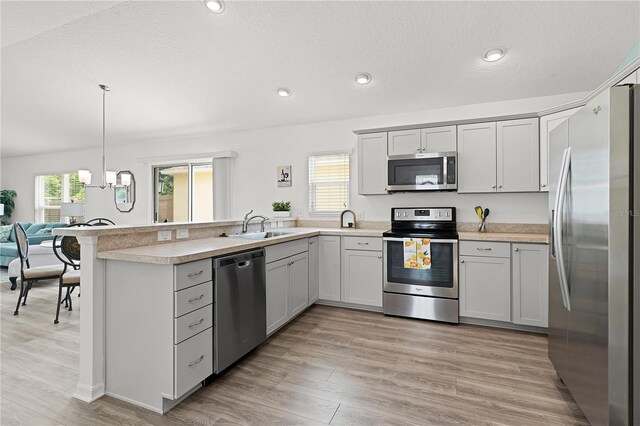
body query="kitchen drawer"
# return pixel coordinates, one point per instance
(192, 323)
(485, 249)
(362, 243)
(193, 362)
(280, 251)
(192, 298)
(192, 273)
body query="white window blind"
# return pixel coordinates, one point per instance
(328, 183)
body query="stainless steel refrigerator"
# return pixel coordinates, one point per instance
(593, 204)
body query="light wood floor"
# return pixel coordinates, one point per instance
(329, 366)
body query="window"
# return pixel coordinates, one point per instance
(183, 192)
(51, 191)
(328, 183)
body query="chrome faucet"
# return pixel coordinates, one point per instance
(247, 219)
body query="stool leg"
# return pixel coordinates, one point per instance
(70, 299)
(19, 297)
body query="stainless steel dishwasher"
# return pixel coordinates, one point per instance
(240, 307)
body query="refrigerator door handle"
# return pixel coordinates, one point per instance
(557, 228)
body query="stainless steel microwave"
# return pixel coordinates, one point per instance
(422, 172)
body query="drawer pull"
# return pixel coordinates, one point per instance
(195, 299)
(483, 249)
(195, 324)
(198, 361)
(195, 274)
(363, 244)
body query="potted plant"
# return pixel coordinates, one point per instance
(6, 199)
(281, 208)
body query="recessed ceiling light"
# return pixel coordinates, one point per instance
(283, 92)
(363, 78)
(215, 6)
(494, 54)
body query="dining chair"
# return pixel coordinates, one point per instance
(100, 221)
(29, 275)
(67, 249)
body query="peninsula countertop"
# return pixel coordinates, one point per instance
(191, 250)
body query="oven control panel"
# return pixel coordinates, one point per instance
(444, 214)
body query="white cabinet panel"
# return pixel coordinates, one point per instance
(477, 157)
(439, 139)
(277, 294)
(518, 157)
(298, 284)
(547, 124)
(372, 164)
(314, 269)
(404, 142)
(530, 284)
(485, 288)
(193, 362)
(329, 268)
(362, 277)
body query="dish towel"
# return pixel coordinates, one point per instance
(417, 253)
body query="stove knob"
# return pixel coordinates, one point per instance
(405, 214)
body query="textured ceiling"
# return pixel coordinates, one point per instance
(176, 69)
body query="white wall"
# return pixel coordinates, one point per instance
(261, 151)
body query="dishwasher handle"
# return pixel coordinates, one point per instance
(242, 265)
(241, 260)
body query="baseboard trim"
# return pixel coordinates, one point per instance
(505, 325)
(89, 393)
(349, 305)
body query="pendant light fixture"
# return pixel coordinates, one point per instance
(109, 178)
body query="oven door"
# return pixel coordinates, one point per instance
(422, 172)
(439, 281)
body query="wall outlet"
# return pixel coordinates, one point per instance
(164, 235)
(182, 233)
(360, 215)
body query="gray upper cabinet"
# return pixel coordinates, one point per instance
(477, 157)
(438, 139)
(547, 124)
(404, 142)
(372, 164)
(518, 156)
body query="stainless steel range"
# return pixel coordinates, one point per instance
(430, 292)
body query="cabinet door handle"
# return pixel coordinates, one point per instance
(500, 186)
(515, 249)
(195, 274)
(379, 257)
(483, 249)
(493, 187)
(543, 185)
(198, 361)
(462, 261)
(195, 299)
(195, 324)
(419, 149)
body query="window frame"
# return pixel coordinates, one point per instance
(39, 210)
(312, 189)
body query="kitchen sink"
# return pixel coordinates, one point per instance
(260, 235)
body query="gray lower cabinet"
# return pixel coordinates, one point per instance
(314, 269)
(277, 295)
(362, 277)
(167, 351)
(329, 268)
(485, 287)
(287, 283)
(530, 282)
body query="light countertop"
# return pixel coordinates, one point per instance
(505, 237)
(188, 251)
